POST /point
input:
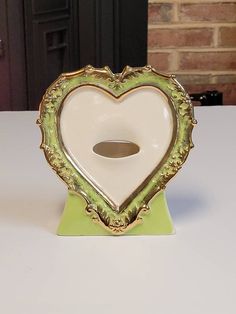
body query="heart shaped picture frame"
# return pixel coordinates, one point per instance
(116, 139)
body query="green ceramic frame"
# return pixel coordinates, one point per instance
(97, 207)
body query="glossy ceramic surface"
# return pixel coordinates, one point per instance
(90, 116)
(116, 139)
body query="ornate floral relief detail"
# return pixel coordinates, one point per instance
(57, 162)
(52, 95)
(116, 84)
(118, 223)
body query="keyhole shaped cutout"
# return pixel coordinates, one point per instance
(116, 148)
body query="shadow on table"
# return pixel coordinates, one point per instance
(46, 212)
(185, 206)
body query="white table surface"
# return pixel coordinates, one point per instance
(192, 272)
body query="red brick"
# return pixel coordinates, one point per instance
(160, 13)
(227, 37)
(216, 61)
(193, 78)
(226, 78)
(228, 90)
(214, 12)
(181, 37)
(159, 60)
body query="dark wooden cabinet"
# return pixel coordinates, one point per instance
(13, 79)
(51, 43)
(113, 32)
(4, 60)
(44, 38)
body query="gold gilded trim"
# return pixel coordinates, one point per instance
(101, 209)
(144, 183)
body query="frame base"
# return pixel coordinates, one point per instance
(75, 221)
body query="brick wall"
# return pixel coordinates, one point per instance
(196, 40)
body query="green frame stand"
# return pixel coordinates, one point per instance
(76, 222)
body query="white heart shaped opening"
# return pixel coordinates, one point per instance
(142, 117)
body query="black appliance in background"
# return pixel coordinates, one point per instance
(208, 98)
